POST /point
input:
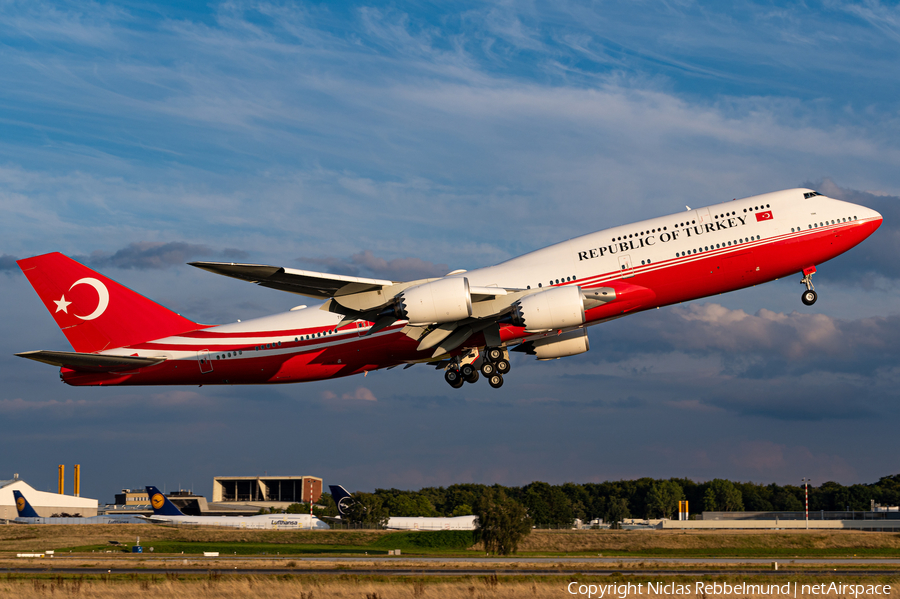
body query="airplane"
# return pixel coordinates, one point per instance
(28, 515)
(465, 323)
(165, 512)
(344, 499)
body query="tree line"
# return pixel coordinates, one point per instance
(557, 506)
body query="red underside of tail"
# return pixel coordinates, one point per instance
(94, 312)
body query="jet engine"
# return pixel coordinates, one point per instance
(556, 308)
(568, 344)
(444, 300)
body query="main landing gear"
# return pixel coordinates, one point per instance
(494, 364)
(809, 296)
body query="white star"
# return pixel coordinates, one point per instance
(61, 304)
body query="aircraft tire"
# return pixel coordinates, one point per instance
(503, 366)
(466, 371)
(453, 378)
(494, 354)
(495, 381)
(809, 297)
(487, 369)
(474, 378)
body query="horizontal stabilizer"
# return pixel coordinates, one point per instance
(89, 362)
(303, 282)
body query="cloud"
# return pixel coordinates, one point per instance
(145, 255)
(366, 263)
(765, 344)
(361, 393)
(8, 264)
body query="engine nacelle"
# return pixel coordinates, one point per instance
(556, 308)
(444, 300)
(568, 344)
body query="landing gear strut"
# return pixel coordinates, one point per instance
(809, 296)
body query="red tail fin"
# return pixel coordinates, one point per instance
(94, 312)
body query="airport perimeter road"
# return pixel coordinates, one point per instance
(625, 561)
(473, 561)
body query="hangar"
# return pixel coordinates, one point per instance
(266, 491)
(44, 503)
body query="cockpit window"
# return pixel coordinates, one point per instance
(811, 194)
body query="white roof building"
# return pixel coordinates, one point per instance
(45, 504)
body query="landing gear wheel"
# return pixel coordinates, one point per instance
(503, 366)
(487, 369)
(495, 381)
(474, 378)
(453, 378)
(809, 297)
(466, 371)
(494, 354)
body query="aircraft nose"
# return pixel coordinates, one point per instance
(874, 216)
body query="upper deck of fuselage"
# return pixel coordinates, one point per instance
(790, 207)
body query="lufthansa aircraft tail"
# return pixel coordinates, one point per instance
(96, 313)
(342, 498)
(161, 504)
(24, 508)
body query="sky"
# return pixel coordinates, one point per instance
(407, 139)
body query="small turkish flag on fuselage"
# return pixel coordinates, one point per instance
(767, 215)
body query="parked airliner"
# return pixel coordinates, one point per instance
(28, 515)
(540, 303)
(344, 499)
(165, 512)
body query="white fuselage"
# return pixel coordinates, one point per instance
(262, 521)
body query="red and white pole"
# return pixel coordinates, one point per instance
(806, 493)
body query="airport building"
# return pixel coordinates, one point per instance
(44, 503)
(266, 491)
(135, 497)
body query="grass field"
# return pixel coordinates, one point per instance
(15, 538)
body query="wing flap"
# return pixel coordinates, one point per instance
(303, 282)
(89, 362)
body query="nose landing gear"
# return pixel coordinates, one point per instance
(809, 296)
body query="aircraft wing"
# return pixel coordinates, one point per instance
(89, 362)
(303, 282)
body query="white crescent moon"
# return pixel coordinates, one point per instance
(101, 291)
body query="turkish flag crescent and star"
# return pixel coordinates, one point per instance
(767, 215)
